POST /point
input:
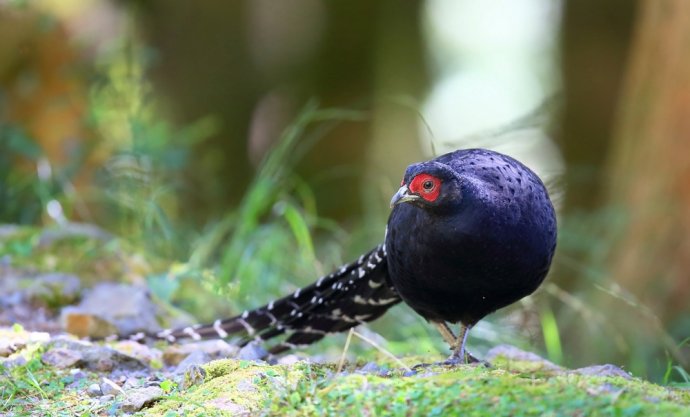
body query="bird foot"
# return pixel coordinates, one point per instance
(469, 359)
(453, 361)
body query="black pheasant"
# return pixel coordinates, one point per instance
(470, 232)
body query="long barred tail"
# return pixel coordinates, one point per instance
(356, 293)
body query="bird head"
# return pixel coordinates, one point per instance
(428, 184)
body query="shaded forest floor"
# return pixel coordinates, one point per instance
(53, 280)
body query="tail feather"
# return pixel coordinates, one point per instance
(357, 292)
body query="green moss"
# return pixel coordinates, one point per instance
(230, 386)
(313, 390)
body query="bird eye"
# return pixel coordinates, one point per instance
(428, 185)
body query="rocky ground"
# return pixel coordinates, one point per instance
(53, 300)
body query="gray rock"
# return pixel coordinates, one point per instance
(196, 358)
(137, 399)
(78, 380)
(106, 399)
(81, 323)
(602, 370)
(109, 387)
(77, 374)
(194, 375)
(12, 341)
(140, 351)
(515, 354)
(247, 385)
(26, 297)
(13, 362)
(604, 389)
(97, 358)
(251, 352)
(291, 359)
(132, 382)
(227, 405)
(53, 290)
(94, 390)
(127, 308)
(216, 349)
(370, 368)
(8, 347)
(70, 230)
(62, 358)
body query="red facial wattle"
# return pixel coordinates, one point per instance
(426, 186)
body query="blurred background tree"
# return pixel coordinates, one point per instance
(183, 128)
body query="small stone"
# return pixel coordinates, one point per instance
(290, 360)
(109, 387)
(77, 374)
(12, 341)
(197, 358)
(106, 399)
(62, 358)
(194, 375)
(78, 377)
(251, 352)
(140, 351)
(370, 368)
(126, 308)
(94, 390)
(246, 385)
(216, 349)
(133, 382)
(84, 324)
(53, 290)
(225, 404)
(602, 370)
(604, 389)
(13, 362)
(7, 347)
(137, 399)
(512, 353)
(97, 358)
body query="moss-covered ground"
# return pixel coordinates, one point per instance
(505, 389)
(233, 387)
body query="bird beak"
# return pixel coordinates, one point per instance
(402, 196)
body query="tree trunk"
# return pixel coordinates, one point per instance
(650, 162)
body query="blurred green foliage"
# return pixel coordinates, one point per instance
(23, 196)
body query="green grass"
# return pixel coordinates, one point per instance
(33, 387)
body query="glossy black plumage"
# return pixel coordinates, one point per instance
(482, 246)
(470, 232)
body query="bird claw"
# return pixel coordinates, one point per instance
(452, 362)
(469, 359)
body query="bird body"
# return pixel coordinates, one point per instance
(470, 232)
(486, 242)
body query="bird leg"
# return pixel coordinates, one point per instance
(446, 333)
(448, 336)
(460, 355)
